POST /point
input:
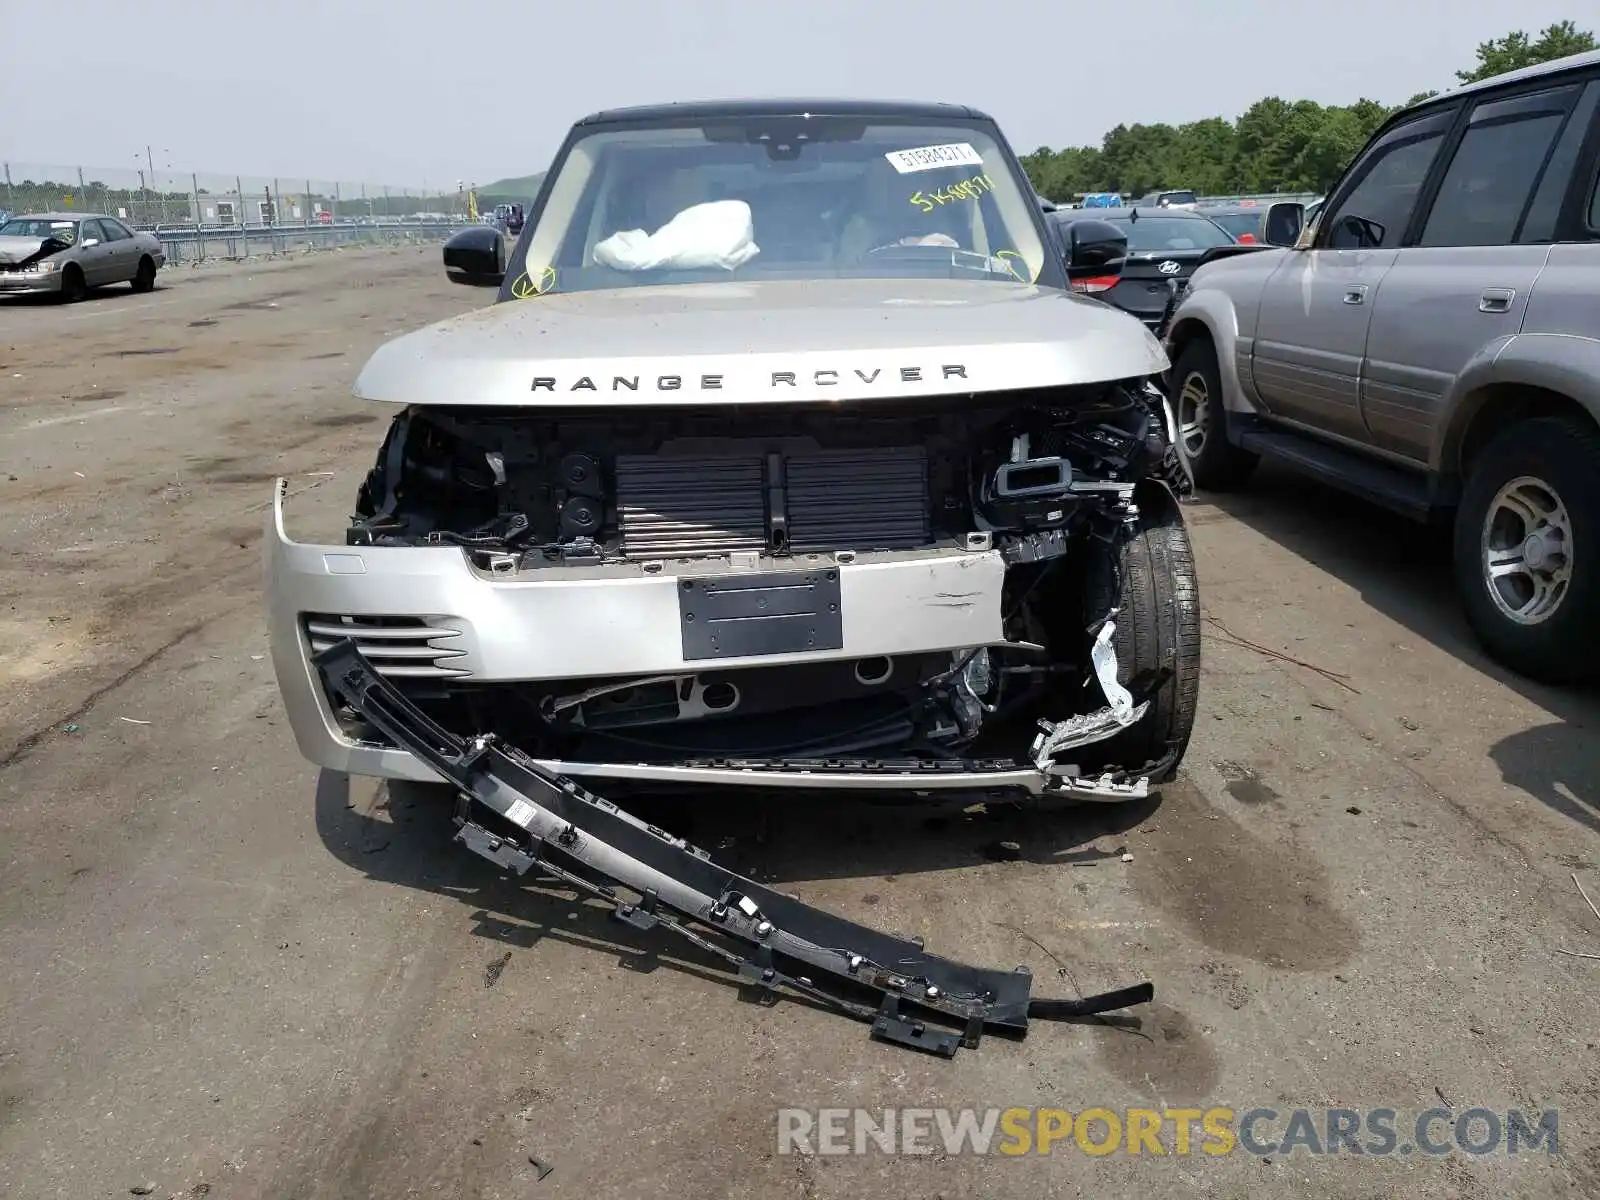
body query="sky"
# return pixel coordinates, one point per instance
(413, 91)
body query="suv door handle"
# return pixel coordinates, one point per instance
(1356, 294)
(1496, 300)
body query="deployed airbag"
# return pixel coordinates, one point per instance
(717, 234)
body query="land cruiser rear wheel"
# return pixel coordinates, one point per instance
(1527, 548)
(1158, 627)
(1218, 464)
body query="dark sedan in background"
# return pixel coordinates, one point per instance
(1165, 245)
(1243, 221)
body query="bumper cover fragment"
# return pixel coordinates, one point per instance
(520, 816)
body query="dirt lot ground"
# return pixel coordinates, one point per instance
(225, 976)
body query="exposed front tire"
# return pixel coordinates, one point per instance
(144, 279)
(73, 287)
(1527, 548)
(1217, 464)
(1158, 627)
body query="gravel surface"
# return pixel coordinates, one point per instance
(228, 976)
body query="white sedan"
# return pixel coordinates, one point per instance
(66, 254)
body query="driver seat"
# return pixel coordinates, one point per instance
(887, 214)
(872, 224)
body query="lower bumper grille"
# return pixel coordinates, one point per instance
(872, 499)
(397, 647)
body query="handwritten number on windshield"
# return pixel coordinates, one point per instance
(966, 189)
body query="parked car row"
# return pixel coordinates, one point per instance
(1431, 340)
(1243, 221)
(1427, 335)
(1164, 248)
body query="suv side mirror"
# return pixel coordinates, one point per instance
(1283, 223)
(476, 257)
(1094, 248)
(1356, 233)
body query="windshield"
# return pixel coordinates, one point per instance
(63, 231)
(1238, 223)
(782, 198)
(1160, 234)
(1175, 198)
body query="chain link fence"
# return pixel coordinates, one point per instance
(202, 215)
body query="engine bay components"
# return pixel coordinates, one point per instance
(757, 516)
(634, 485)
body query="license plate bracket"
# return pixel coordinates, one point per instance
(774, 612)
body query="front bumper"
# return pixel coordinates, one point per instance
(616, 620)
(19, 283)
(521, 817)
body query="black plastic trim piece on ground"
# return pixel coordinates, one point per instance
(596, 847)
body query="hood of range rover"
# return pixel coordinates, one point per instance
(762, 342)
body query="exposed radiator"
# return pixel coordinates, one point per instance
(873, 499)
(685, 506)
(858, 499)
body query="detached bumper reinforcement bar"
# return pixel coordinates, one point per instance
(519, 816)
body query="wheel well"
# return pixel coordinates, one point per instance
(1499, 406)
(1156, 502)
(1188, 330)
(70, 268)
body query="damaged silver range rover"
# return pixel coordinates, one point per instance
(788, 457)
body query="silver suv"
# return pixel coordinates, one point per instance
(787, 458)
(1431, 341)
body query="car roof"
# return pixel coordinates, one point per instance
(1144, 211)
(700, 110)
(1587, 58)
(57, 216)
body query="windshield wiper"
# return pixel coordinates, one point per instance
(957, 260)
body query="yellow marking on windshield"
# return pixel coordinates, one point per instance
(524, 288)
(965, 189)
(1023, 276)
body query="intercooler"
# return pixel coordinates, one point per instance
(813, 500)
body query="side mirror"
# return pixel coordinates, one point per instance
(1351, 232)
(1095, 249)
(476, 257)
(87, 242)
(1283, 223)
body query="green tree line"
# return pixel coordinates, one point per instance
(1276, 145)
